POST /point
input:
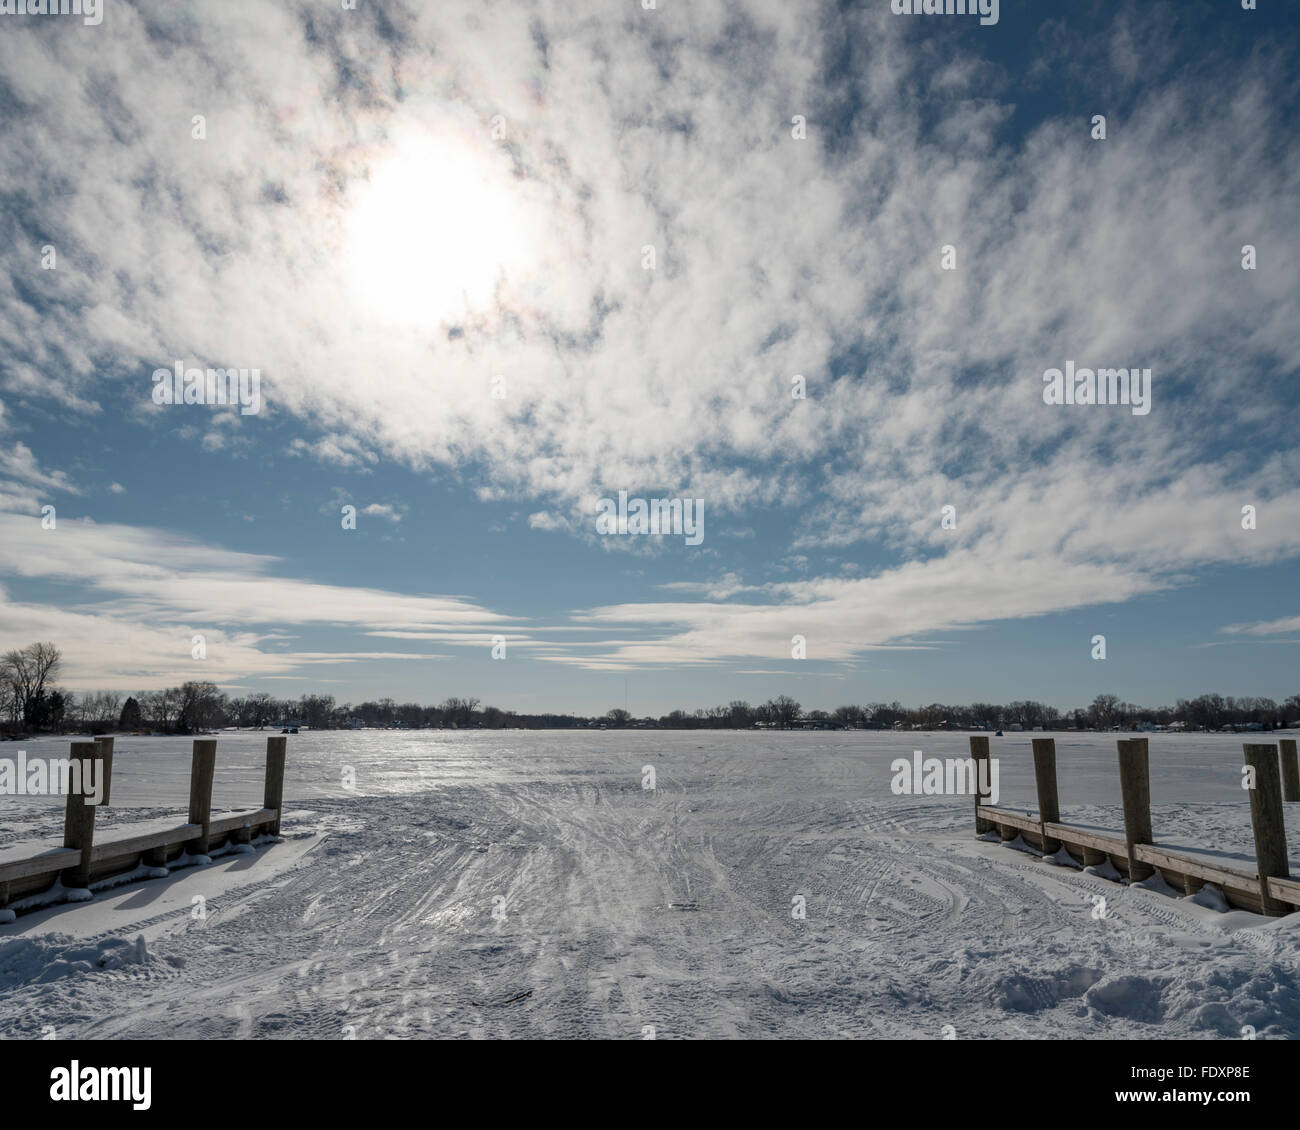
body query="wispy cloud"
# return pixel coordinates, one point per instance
(586, 373)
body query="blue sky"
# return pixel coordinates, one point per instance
(393, 212)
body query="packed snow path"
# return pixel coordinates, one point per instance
(556, 897)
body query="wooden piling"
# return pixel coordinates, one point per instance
(1290, 769)
(79, 819)
(1266, 820)
(979, 751)
(201, 769)
(105, 746)
(273, 797)
(1049, 806)
(1135, 789)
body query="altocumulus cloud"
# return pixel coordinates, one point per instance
(625, 128)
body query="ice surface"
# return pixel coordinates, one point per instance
(520, 884)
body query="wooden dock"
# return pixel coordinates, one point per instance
(84, 859)
(1263, 884)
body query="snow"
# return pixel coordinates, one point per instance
(54, 896)
(1062, 858)
(1159, 884)
(523, 884)
(52, 957)
(1210, 896)
(1105, 870)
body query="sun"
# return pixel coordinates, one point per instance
(434, 232)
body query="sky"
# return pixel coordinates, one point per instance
(804, 266)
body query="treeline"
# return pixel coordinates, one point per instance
(200, 707)
(1209, 711)
(31, 702)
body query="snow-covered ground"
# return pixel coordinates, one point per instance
(491, 884)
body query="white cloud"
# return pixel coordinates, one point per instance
(142, 594)
(383, 510)
(543, 520)
(1266, 627)
(775, 257)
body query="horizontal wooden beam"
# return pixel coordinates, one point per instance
(1068, 833)
(137, 844)
(1167, 859)
(50, 861)
(125, 844)
(1218, 874)
(1013, 819)
(250, 819)
(1285, 890)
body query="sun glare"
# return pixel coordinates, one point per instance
(433, 233)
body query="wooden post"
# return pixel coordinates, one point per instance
(1049, 807)
(105, 746)
(1135, 788)
(979, 751)
(1266, 820)
(1290, 769)
(201, 769)
(273, 797)
(79, 819)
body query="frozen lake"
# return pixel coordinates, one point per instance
(154, 771)
(524, 883)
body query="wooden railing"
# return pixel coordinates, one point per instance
(28, 870)
(1264, 885)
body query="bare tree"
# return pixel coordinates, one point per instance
(160, 707)
(1104, 711)
(30, 673)
(782, 710)
(202, 706)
